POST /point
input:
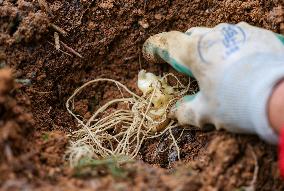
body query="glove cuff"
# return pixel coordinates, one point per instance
(252, 80)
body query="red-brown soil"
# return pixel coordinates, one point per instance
(109, 35)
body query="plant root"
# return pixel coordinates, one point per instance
(252, 185)
(120, 132)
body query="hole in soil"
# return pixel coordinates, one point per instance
(158, 152)
(121, 125)
(14, 1)
(14, 25)
(2, 111)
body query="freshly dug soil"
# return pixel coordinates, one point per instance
(108, 35)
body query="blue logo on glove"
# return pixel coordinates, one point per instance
(229, 40)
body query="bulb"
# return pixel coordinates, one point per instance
(163, 92)
(146, 81)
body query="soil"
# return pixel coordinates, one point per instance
(108, 35)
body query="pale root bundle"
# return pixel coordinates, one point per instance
(122, 131)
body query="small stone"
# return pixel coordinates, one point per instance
(140, 12)
(91, 25)
(144, 24)
(107, 4)
(158, 16)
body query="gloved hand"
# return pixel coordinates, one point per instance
(236, 67)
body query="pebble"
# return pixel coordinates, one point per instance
(144, 24)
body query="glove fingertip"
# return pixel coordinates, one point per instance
(151, 48)
(149, 53)
(180, 103)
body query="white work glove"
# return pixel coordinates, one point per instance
(236, 67)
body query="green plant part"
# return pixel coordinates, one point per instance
(110, 165)
(18, 39)
(45, 136)
(2, 64)
(26, 82)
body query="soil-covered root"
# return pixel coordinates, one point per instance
(121, 132)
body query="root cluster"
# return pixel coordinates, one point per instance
(122, 131)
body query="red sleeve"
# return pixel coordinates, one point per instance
(281, 152)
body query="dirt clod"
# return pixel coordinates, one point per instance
(16, 123)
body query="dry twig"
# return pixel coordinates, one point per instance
(71, 49)
(60, 49)
(56, 41)
(252, 185)
(59, 29)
